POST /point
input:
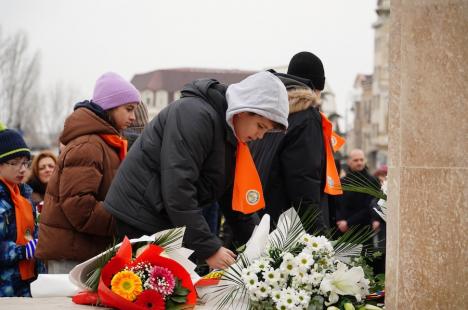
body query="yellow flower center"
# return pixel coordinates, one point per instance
(127, 285)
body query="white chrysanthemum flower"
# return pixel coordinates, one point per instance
(304, 260)
(302, 277)
(303, 298)
(272, 277)
(281, 305)
(320, 243)
(287, 256)
(315, 278)
(247, 271)
(343, 281)
(275, 295)
(250, 280)
(305, 239)
(288, 266)
(263, 290)
(288, 298)
(253, 294)
(260, 265)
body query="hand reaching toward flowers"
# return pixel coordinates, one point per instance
(222, 259)
(342, 225)
(375, 225)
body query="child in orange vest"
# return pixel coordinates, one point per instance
(18, 229)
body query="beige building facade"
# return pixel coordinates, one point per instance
(370, 100)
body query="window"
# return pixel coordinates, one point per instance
(161, 99)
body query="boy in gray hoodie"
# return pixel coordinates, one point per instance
(185, 160)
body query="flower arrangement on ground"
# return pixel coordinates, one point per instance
(144, 279)
(290, 269)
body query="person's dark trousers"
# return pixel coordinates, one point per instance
(211, 215)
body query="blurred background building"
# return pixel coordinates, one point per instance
(160, 87)
(369, 104)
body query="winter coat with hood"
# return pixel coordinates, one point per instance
(74, 224)
(11, 253)
(182, 162)
(292, 166)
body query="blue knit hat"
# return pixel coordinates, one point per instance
(12, 145)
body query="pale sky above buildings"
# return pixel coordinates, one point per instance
(81, 39)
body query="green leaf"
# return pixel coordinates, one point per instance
(93, 276)
(168, 239)
(316, 303)
(178, 299)
(181, 291)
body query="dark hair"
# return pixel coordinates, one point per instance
(109, 119)
(276, 125)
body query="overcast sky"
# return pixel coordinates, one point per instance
(81, 39)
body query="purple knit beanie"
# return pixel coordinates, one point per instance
(112, 90)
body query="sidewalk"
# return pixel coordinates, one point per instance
(51, 303)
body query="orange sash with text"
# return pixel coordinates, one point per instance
(247, 196)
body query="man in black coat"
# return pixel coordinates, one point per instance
(355, 209)
(185, 160)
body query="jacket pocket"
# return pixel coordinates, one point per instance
(152, 195)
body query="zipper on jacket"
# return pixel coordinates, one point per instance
(7, 223)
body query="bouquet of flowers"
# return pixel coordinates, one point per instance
(290, 269)
(148, 279)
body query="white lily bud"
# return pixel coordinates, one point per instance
(372, 307)
(348, 306)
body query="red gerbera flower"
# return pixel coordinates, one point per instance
(115, 265)
(150, 299)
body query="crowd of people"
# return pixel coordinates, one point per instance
(255, 147)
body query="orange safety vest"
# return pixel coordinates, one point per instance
(332, 184)
(247, 196)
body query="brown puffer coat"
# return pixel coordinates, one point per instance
(74, 225)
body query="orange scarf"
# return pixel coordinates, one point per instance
(337, 141)
(24, 226)
(247, 196)
(118, 143)
(332, 184)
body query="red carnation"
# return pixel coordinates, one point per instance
(150, 299)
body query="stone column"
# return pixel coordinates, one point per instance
(427, 257)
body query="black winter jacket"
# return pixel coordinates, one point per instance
(183, 161)
(356, 208)
(292, 165)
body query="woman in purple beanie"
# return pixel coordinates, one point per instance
(74, 224)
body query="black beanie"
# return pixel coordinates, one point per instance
(307, 65)
(12, 145)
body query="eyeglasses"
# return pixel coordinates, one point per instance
(18, 165)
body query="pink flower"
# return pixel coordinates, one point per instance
(162, 280)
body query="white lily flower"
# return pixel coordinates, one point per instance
(343, 282)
